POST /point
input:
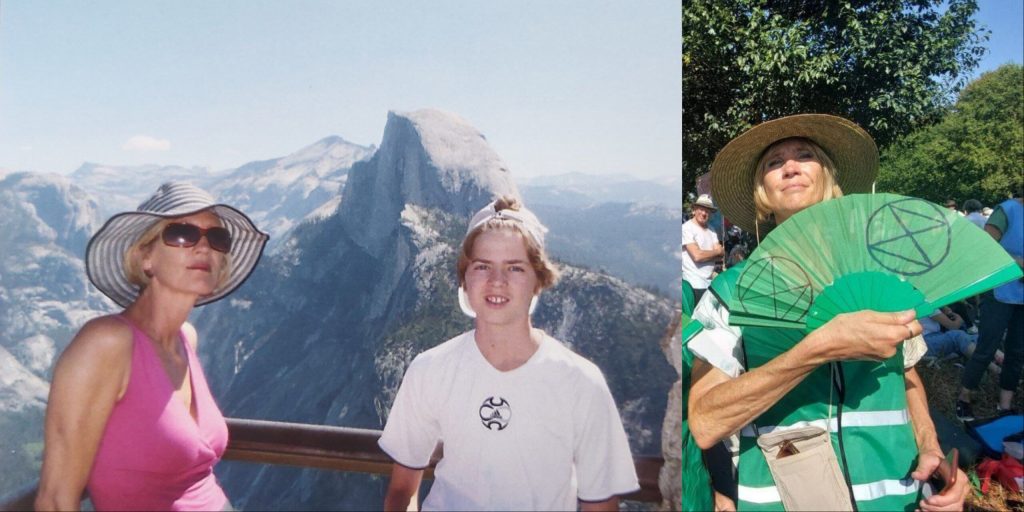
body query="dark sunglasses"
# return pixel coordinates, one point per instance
(180, 234)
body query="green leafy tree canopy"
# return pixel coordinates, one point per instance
(888, 65)
(975, 152)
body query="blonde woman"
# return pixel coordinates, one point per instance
(526, 423)
(869, 425)
(130, 416)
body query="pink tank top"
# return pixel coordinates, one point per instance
(153, 455)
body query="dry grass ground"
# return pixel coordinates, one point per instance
(943, 386)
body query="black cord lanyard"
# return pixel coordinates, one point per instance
(839, 382)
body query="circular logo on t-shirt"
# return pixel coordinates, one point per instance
(495, 413)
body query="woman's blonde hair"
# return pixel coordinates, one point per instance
(830, 187)
(133, 256)
(547, 272)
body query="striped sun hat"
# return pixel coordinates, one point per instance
(851, 149)
(104, 257)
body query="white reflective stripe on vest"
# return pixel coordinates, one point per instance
(850, 419)
(758, 494)
(861, 492)
(881, 488)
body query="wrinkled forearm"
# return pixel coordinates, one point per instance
(720, 406)
(920, 418)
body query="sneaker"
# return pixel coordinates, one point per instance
(963, 411)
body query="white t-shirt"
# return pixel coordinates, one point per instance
(720, 344)
(698, 274)
(538, 437)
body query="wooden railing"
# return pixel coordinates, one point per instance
(336, 448)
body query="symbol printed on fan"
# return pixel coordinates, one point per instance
(909, 237)
(778, 284)
(495, 413)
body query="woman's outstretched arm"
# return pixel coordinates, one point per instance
(720, 406)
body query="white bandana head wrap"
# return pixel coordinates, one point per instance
(527, 220)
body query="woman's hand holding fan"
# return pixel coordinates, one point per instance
(863, 335)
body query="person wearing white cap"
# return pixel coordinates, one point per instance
(700, 247)
(526, 423)
(130, 416)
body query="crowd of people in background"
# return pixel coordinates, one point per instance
(1001, 317)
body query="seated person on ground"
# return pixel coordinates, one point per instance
(943, 335)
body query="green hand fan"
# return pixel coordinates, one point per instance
(690, 329)
(883, 252)
(690, 326)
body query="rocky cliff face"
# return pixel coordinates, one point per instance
(123, 187)
(669, 481)
(45, 223)
(279, 194)
(427, 158)
(639, 243)
(324, 330)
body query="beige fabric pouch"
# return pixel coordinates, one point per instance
(805, 469)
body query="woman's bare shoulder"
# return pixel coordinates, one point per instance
(103, 337)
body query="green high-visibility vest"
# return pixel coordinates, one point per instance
(697, 494)
(688, 303)
(868, 421)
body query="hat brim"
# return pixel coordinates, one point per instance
(104, 256)
(851, 149)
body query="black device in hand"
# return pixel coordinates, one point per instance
(944, 476)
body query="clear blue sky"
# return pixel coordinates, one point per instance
(555, 86)
(1005, 18)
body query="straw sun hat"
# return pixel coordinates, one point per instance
(851, 149)
(104, 257)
